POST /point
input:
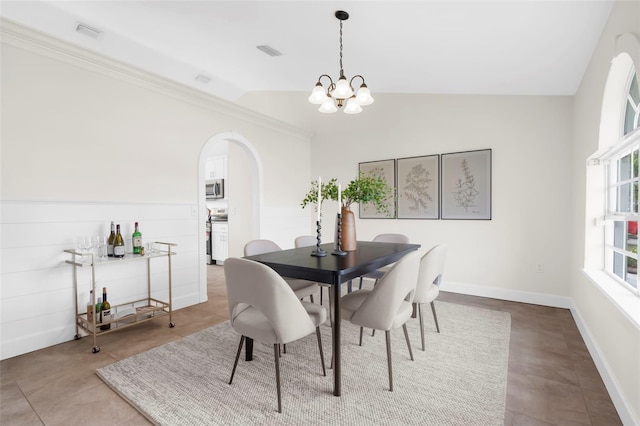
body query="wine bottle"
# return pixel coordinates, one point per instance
(118, 244)
(98, 308)
(105, 311)
(136, 239)
(90, 308)
(111, 241)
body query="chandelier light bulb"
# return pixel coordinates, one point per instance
(352, 107)
(342, 90)
(328, 106)
(363, 97)
(318, 95)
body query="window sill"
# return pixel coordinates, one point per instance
(626, 301)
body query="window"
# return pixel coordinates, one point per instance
(621, 217)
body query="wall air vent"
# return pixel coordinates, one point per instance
(269, 50)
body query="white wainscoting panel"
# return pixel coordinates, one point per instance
(36, 292)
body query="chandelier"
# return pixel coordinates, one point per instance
(340, 93)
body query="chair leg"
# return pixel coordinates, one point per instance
(421, 319)
(387, 334)
(349, 286)
(235, 364)
(277, 360)
(324, 371)
(311, 298)
(361, 330)
(360, 286)
(435, 317)
(284, 348)
(321, 295)
(406, 336)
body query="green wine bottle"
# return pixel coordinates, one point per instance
(118, 244)
(136, 239)
(105, 311)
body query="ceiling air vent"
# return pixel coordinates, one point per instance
(269, 50)
(87, 30)
(200, 78)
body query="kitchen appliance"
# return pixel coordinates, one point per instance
(214, 189)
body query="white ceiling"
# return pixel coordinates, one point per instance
(538, 47)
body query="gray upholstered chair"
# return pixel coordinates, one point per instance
(302, 288)
(388, 305)
(264, 308)
(428, 287)
(383, 238)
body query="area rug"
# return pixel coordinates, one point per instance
(461, 379)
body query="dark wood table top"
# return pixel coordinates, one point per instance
(369, 256)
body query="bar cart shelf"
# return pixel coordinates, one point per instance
(126, 314)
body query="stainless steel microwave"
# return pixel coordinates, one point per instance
(214, 188)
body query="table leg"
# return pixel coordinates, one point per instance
(248, 349)
(337, 365)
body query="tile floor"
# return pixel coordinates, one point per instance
(552, 379)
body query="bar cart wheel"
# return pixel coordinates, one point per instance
(172, 324)
(95, 349)
(77, 337)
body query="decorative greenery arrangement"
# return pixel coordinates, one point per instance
(371, 188)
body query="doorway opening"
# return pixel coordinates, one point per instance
(243, 196)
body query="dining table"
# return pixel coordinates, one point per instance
(333, 270)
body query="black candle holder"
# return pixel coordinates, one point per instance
(319, 251)
(338, 251)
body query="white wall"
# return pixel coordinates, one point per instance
(530, 138)
(614, 339)
(86, 140)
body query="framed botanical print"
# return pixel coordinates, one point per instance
(418, 187)
(387, 170)
(466, 185)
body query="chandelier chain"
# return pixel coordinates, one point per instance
(341, 70)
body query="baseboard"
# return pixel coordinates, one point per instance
(619, 401)
(507, 294)
(617, 397)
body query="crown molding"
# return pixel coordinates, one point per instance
(17, 35)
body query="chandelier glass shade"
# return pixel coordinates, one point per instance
(341, 93)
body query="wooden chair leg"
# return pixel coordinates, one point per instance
(406, 336)
(387, 334)
(324, 371)
(277, 359)
(435, 317)
(235, 364)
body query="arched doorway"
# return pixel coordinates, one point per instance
(244, 195)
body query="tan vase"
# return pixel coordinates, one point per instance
(348, 230)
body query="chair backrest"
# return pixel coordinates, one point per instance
(431, 269)
(256, 247)
(396, 286)
(391, 238)
(305, 241)
(254, 284)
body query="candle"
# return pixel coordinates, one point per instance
(339, 197)
(319, 196)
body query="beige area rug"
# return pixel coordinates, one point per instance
(461, 379)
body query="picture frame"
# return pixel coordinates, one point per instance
(387, 169)
(466, 185)
(418, 187)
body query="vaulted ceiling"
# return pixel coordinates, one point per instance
(538, 47)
